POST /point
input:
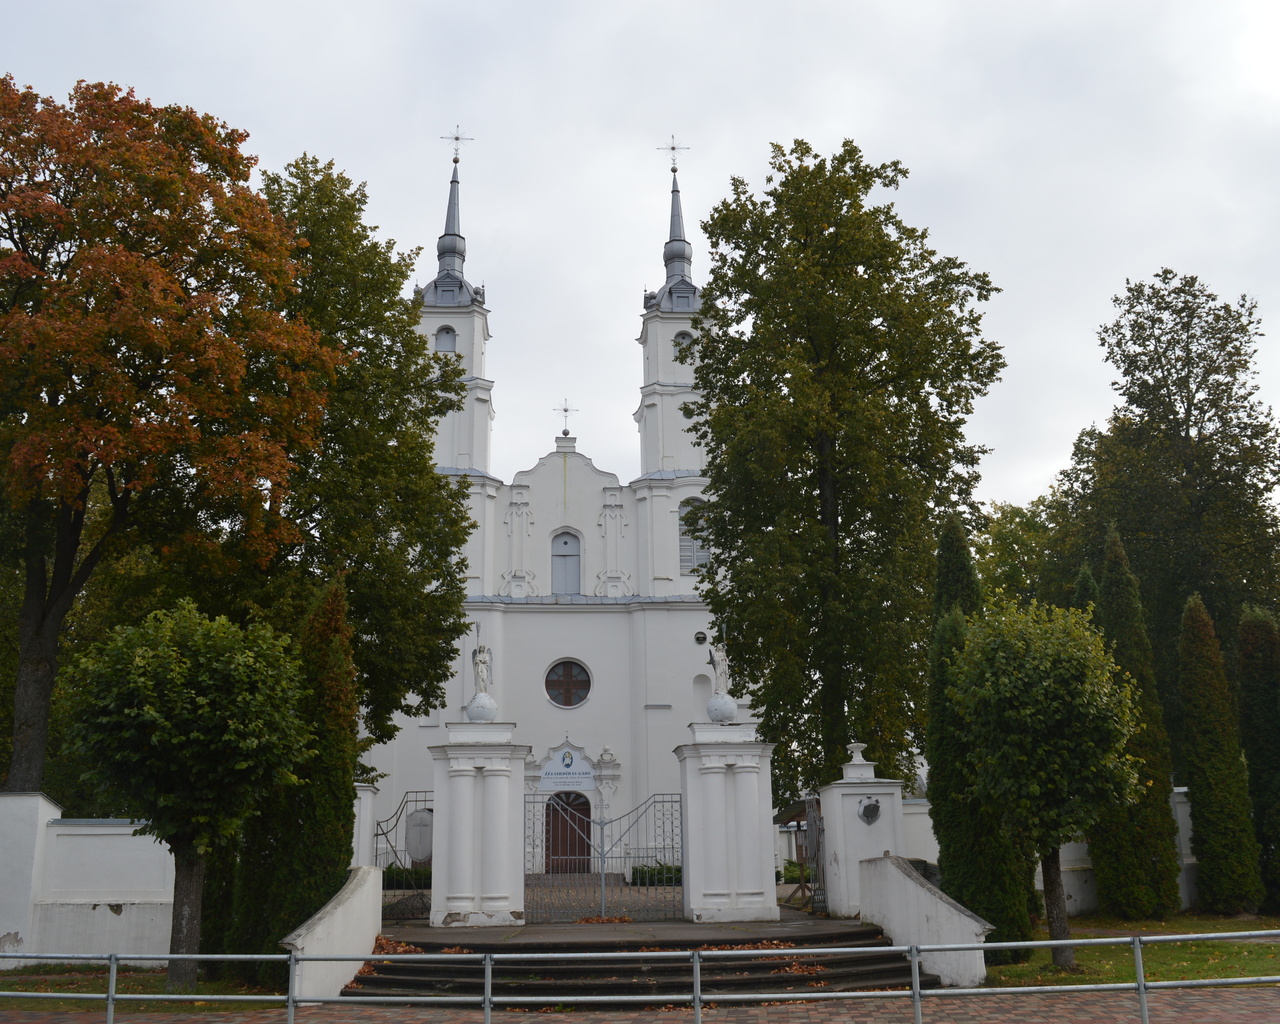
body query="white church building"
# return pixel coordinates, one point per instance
(581, 587)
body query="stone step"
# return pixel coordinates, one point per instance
(860, 966)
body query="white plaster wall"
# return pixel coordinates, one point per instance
(914, 913)
(101, 860)
(918, 840)
(650, 679)
(85, 926)
(345, 926)
(22, 843)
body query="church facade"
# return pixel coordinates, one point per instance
(587, 631)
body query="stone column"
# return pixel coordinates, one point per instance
(727, 781)
(477, 858)
(861, 819)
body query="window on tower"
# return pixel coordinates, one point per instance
(446, 340)
(693, 550)
(566, 563)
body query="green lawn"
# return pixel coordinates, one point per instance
(83, 977)
(1174, 961)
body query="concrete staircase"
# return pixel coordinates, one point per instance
(572, 981)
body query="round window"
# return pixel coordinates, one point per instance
(568, 684)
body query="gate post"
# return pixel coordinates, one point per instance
(477, 851)
(862, 818)
(727, 780)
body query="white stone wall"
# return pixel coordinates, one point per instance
(79, 886)
(91, 885)
(914, 913)
(345, 926)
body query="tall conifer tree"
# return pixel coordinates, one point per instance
(294, 855)
(1086, 590)
(981, 869)
(1227, 880)
(1258, 649)
(1135, 848)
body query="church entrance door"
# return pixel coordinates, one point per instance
(568, 834)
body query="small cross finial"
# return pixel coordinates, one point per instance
(564, 411)
(457, 138)
(673, 149)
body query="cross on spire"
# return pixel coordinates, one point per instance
(673, 149)
(457, 138)
(564, 411)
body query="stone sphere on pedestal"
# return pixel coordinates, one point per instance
(482, 708)
(721, 708)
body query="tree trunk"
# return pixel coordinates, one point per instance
(1055, 908)
(188, 887)
(37, 669)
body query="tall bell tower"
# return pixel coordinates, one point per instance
(455, 319)
(666, 447)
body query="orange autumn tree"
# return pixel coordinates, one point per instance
(150, 387)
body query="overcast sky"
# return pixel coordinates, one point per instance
(1061, 146)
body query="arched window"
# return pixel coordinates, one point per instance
(693, 550)
(446, 340)
(566, 563)
(568, 684)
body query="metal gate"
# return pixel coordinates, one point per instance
(575, 868)
(815, 853)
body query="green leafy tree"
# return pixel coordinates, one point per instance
(1044, 717)
(980, 866)
(195, 722)
(294, 854)
(837, 357)
(150, 385)
(1222, 838)
(1258, 651)
(1134, 848)
(1010, 549)
(1186, 467)
(367, 500)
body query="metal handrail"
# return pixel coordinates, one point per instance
(695, 997)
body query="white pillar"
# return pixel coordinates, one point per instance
(861, 819)
(363, 835)
(727, 781)
(495, 841)
(477, 871)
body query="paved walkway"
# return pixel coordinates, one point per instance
(1199, 1006)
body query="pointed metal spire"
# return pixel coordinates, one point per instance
(452, 247)
(677, 254)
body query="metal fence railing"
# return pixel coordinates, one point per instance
(695, 997)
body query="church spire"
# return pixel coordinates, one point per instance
(450, 288)
(677, 254)
(451, 247)
(678, 293)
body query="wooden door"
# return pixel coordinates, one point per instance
(568, 838)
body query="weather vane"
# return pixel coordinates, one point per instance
(457, 138)
(564, 411)
(673, 149)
